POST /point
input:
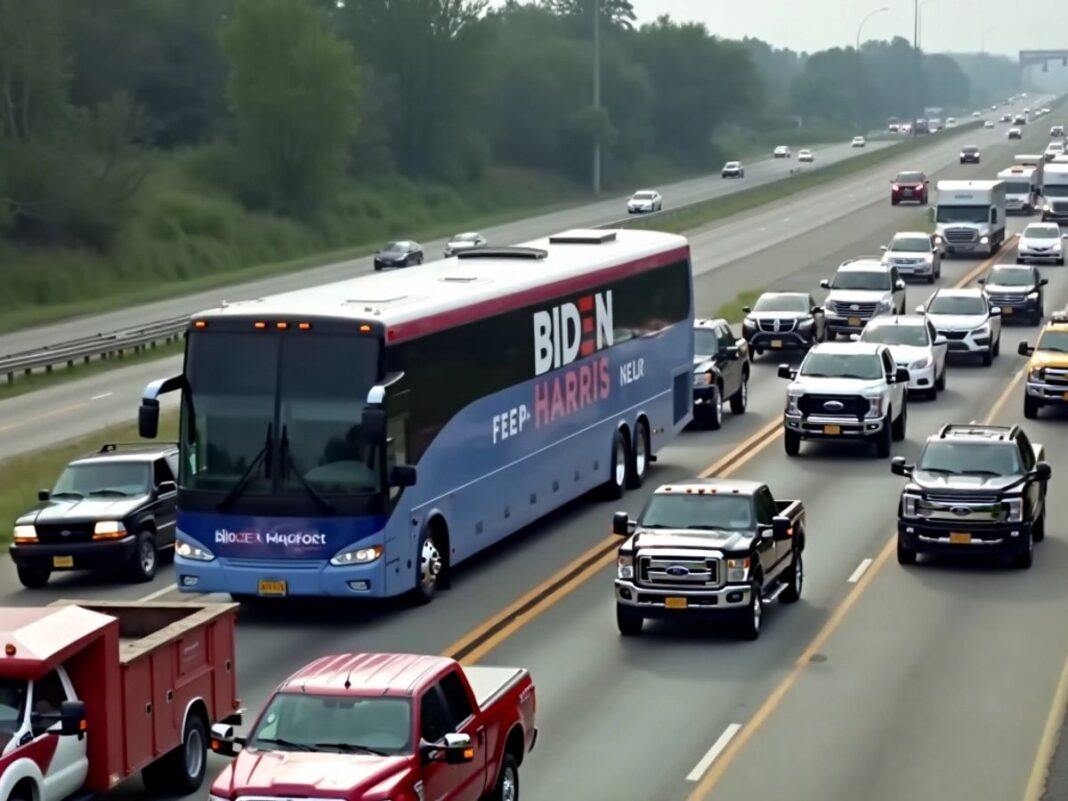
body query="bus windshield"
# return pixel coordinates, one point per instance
(279, 413)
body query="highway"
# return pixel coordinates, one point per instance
(928, 682)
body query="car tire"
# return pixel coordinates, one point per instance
(33, 578)
(1038, 529)
(628, 621)
(988, 357)
(940, 382)
(900, 426)
(791, 441)
(714, 415)
(740, 399)
(996, 350)
(905, 555)
(794, 578)
(640, 453)
(145, 560)
(1031, 407)
(507, 786)
(181, 771)
(1024, 560)
(750, 618)
(884, 440)
(619, 466)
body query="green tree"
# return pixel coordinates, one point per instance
(617, 13)
(33, 68)
(293, 90)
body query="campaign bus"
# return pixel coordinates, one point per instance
(362, 438)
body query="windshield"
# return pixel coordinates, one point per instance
(12, 709)
(969, 150)
(789, 303)
(1012, 276)
(1055, 190)
(1055, 341)
(465, 238)
(896, 335)
(283, 409)
(103, 478)
(396, 246)
(876, 280)
(911, 244)
(643, 196)
(949, 304)
(733, 512)
(1017, 187)
(705, 342)
(973, 458)
(1042, 232)
(963, 214)
(866, 366)
(345, 724)
(909, 178)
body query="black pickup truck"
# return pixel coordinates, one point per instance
(976, 489)
(709, 547)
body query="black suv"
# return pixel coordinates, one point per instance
(976, 489)
(112, 509)
(720, 372)
(1017, 291)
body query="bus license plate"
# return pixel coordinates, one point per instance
(960, 538)
(675, 603)
(62, 561)
(776, 343)
(272, 588)
(854, 321)
(832, 430)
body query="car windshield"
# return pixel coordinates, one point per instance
(396, 246)
(733, 512)
(12, 709)
(1017, 187)
(731, 165)
(465, 238)
(866, 366)
(970, 150)
(790, 303)
(911, 244)
(872, 280)
(950, 304)
(909, 178)
(963, 214)
(103, 478)
(1056, 341)
(971, 458)
(1012, 276)
(347, 724)
(896, 335)
(1055, 190)
(643, 196)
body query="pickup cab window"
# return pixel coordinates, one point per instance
(733, 512)
(765, 506)
(433, 716)
(48, 697)
(456, 698)
(1027, 451)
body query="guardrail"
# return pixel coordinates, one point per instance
(101, 346)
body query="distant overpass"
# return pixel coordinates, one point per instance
(1032, 58)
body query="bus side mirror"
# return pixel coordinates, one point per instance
(373, 425)
(148, 419)
(402, 475)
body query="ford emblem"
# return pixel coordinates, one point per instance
(854, 307)
(961, 511)
(677, 571)
(65, 533)
(834, 406)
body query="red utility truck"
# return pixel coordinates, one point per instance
(385, 727)
(91, 693)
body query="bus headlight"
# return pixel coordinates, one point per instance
(625, 566)
(194, 551)
(737, 570)
(357, 555)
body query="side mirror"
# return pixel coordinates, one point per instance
(621, 524)
(454, 749)
(373, 425)
(899, 467)
(781, 527)
(883, 248)
(43, 495)
(148, 419)
(941, 340)
(981, 281)
(732, 352)
(787, 372)
(747, 309)
(72, 719)
(816, 310)
(920, 309)
(1043, 471)
(899, 284)
(995, 311)
(902, 375)
(825, 284)
(1024, 350)
(402, 475)
(223, 740)
(166, 488)
(1043, 282)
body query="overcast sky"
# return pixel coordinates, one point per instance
(947, 25)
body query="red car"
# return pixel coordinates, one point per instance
(909, 186)
(372, 727)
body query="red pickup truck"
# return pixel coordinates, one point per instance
(91, 693)
(385, 727)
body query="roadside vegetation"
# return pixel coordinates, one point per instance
(157, 146)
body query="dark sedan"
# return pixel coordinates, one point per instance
(969, 154)
(403, 253)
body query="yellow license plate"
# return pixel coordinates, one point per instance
(675, 603)
(62, 561)
(776, 343)
(833, 430)
(960, 538)
(273, 588)
(1006, 309)
(854, 321)
(1064, 396)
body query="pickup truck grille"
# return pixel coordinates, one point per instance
(963, 497)
(961, 235)
(839, 405)
(1055, 375)
(862, 310)
(963, 509)
(680, 571)
(64, 532)
(777, 326)
(1059, 206)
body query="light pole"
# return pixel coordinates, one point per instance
(597, 95)
(864, 21)
(919, 20)
(982, 41)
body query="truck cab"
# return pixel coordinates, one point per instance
(1023, 188)
(720, 372)
(1055, 192)
(970, 217)
(1047, 367)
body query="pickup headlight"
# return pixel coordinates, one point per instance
(357, 555)
(702, 379)
(109, 530)
(909, 504)
(25, 533)
(920, 364)
(738, 570)
(886, 305)
(875, 410)
(625, 566)
(792, 400)
(194, 551)
(1032, 296)
(1014, 510)
(984, 240)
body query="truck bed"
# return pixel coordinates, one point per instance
(488, 683)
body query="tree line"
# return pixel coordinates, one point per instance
(286, 101)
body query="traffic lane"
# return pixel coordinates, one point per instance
(595, 213)
(605, 700)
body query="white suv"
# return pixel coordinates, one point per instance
(916, 346)
(914, 253)
(967, 321)
(860, 290)
(1041, 242)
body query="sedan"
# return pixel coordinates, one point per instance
(806, 156)
(915, 346)
(645, 201)
(471, 239)
(1040, 242)
(969, 154)
(1015, 133)
(859, 141)
(403, 253)
(782, 152)
(988, 124)
(1006, 118)
(733, 169)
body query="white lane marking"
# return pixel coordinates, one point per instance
(157, 594)
(717, 748)
(101, 397)
(862, 568)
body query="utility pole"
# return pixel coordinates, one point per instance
(916, 65)
(597, 94)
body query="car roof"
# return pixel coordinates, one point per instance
(917, 234)
(886, 320)
(123, 452)
(864, 264)
(1045, 226)
(965, 292)
(781, 294)
(733, 486)
(860, 348)
(366, 674)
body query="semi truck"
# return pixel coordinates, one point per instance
(1055, 193)
(92, 693)
(971, 216)
(1023, 188)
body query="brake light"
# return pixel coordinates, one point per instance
(281, 325)
(259, 324)
(200, 324)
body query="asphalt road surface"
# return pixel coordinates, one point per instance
(931, 682)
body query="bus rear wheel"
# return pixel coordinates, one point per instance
(640, 455)
(619, 468)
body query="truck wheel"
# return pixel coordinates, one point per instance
(619, 468)
(905, 556)
(1024, 560)
(749, 622)
(629, 622)
(1038, 530)
(1031, 407)
(142, 567)
(507, 787)
(884, 439)
(740, 399)
(181, 771)
(791, 441)
(34, 578)
(794, 578)
(714, 416)
(901, 424)
(640, 450)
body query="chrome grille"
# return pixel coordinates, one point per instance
(777, 326)
(862, 310)
(961, 235)
(1055, 375)
(834, 405)
(1004, 299)
(679, 570)
(965, 498)
(961, 511)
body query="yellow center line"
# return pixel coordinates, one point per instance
(1036, 783)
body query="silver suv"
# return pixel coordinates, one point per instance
(860, 290)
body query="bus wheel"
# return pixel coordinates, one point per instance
(431, 566)
(619, 468)
(640, 451)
